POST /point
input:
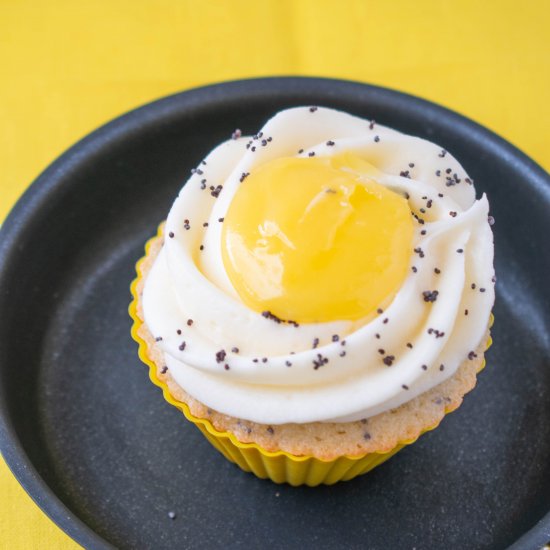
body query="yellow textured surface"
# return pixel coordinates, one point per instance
(67, 67)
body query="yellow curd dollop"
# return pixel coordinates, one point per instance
(316, 239)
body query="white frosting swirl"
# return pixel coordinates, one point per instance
(239, 363)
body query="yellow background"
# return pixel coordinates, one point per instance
(67, 67)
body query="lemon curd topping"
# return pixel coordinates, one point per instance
(316, 239)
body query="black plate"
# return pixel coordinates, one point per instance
(94, 443)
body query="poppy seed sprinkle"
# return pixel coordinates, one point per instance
(430, 295)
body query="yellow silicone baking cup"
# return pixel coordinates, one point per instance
(279, 466)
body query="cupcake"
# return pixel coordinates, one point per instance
(319, 295)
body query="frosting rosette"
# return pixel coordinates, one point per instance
(252, 364)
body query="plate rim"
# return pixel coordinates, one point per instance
(36, 194)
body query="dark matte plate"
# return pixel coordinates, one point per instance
(94, 443)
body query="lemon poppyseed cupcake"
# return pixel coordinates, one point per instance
(319, 296)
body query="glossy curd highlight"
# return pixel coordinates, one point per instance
(316, 239)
